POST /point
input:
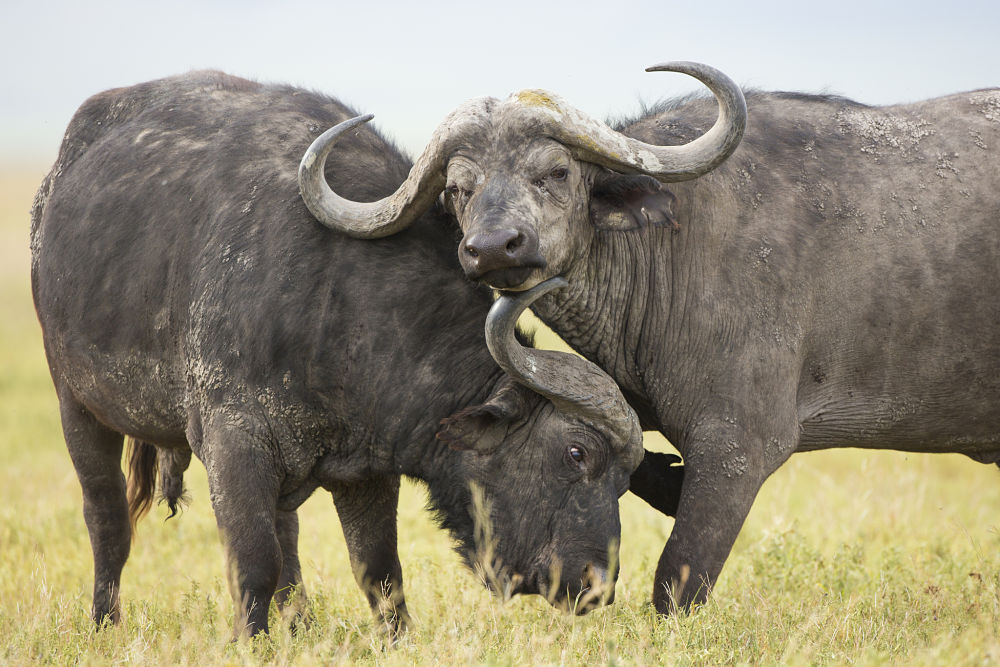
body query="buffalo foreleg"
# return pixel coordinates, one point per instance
(243, 483)
(724, 468)
(367, 513)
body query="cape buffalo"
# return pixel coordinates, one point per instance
(832, 284)
(190, 301)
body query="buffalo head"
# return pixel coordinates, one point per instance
(529, 179)
(551, 451)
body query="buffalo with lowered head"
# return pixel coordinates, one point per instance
(833, 283)
(190, 301)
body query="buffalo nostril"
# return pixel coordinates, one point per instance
(471, 252)
(515, 243)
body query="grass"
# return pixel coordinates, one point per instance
(847, 557)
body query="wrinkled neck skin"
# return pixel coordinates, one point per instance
(617, 312)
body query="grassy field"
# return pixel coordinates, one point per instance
(847, 557)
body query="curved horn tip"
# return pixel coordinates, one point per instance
(682, 66)
(353, 122)
(661, 67)
(326, 138)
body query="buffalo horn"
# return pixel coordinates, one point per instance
(592, 141)
(573, 384)
(372, 220)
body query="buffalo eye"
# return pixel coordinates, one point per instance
(557, 175)
(456, 190)
(577, 455)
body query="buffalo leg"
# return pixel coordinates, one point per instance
(96, 453)
(290, 596)
(244, 486)
(367, 513)
(720, 484)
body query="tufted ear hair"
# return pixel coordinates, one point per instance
(482, 428)
(622, 202)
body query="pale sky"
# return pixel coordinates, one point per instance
(410, 63)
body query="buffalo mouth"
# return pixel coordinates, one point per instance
(590, 593)
(594, 590)
(504, 278)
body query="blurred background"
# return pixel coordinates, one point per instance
(410, 63)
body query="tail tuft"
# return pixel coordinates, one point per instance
(172, 464)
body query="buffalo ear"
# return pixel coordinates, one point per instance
(482, 428)
(658, 481)
(620, 202)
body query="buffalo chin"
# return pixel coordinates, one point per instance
(595, 593)
(513, 279)
(584, 600)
